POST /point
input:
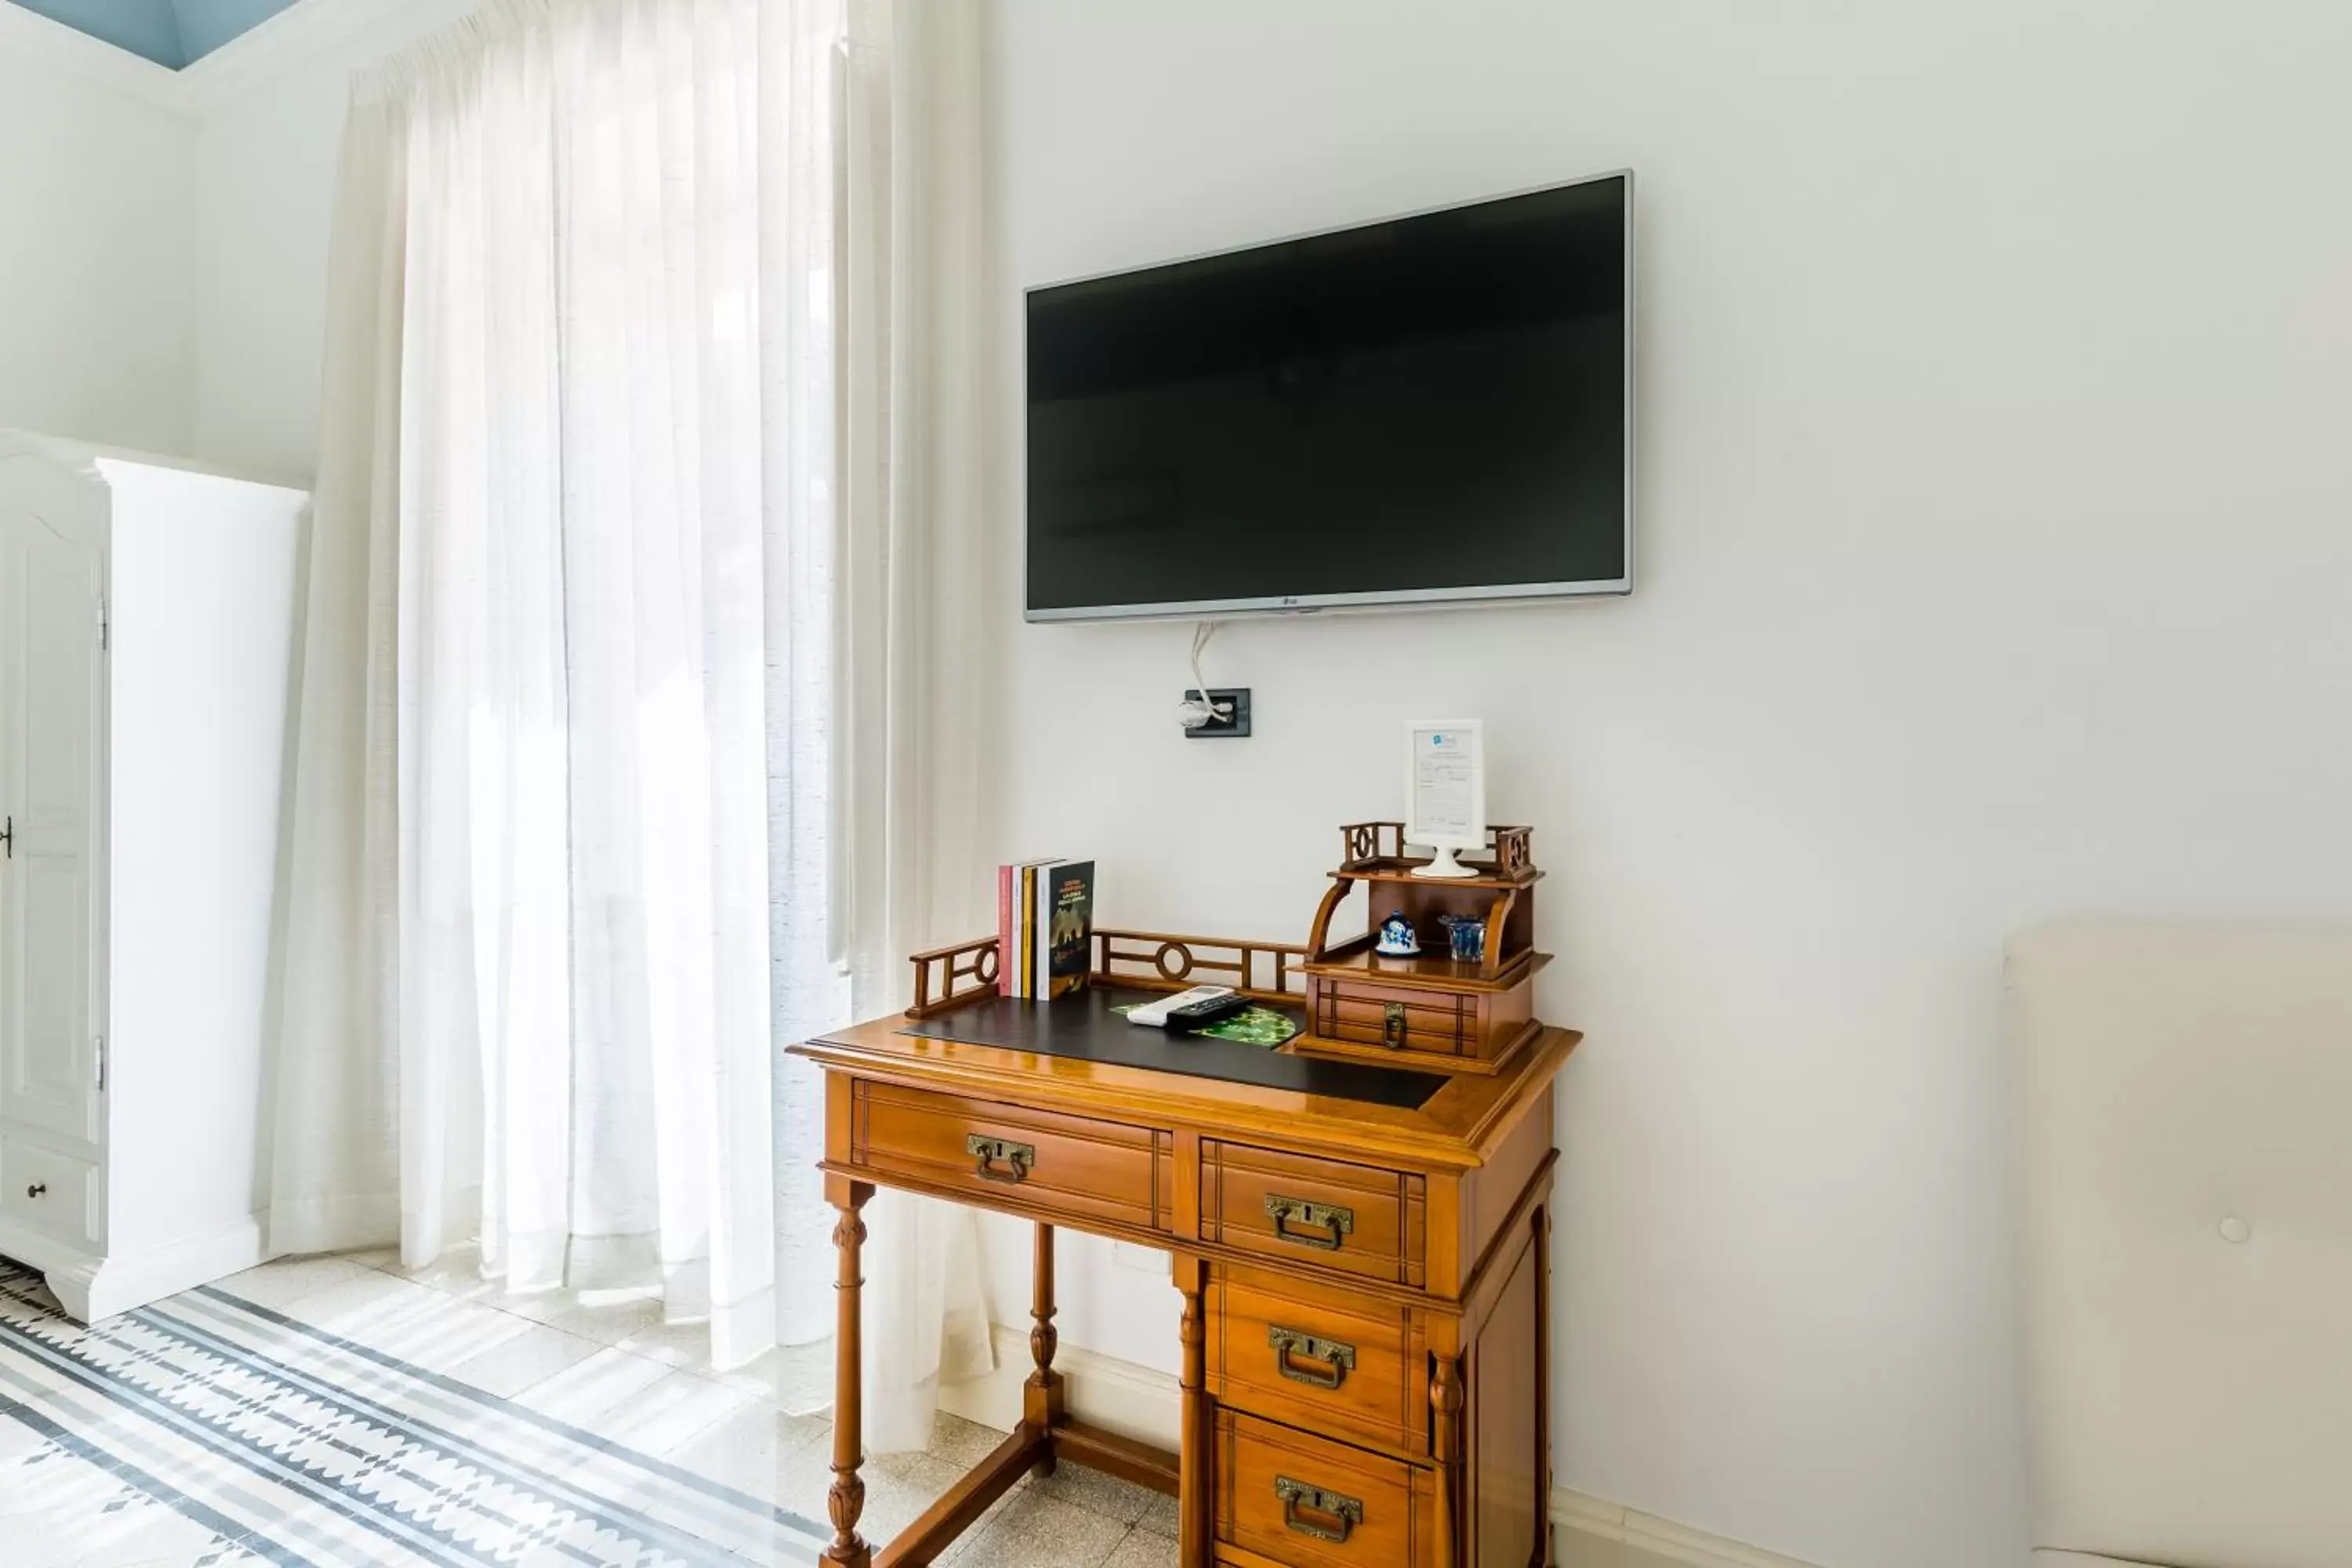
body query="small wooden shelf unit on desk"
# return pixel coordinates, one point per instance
(1363, 1247)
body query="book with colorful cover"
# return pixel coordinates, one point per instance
(1066, 928)
(1044, 927)
(1016, 927)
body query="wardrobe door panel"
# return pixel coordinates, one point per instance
(50, 670)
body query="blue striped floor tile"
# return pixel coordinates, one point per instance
(214, 1430)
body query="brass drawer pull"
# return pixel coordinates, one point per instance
(1286, 1211)
(1297, 1495)
(987, 1151)
(1393, 1026)
(1286, 1342)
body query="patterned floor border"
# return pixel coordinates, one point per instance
(307, 1448)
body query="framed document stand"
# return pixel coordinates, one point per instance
(1445, 792)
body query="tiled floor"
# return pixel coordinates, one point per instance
(608, 1366)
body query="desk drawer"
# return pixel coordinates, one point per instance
(1400, 1018)
(1318, 1357)
(1421, 1027)
(1357, 1219)
(54, 1193)
(1302, 1500)
(1030, 1159)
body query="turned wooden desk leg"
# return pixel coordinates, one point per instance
(1041, 1397)
(1194, 1441)
(846, 1498)
(1445, 1444)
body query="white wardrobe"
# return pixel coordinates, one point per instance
(146, 617)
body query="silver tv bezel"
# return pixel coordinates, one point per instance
(1385, 599)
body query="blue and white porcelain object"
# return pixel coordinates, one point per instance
(1397, 940)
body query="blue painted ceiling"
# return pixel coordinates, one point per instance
(171, 33)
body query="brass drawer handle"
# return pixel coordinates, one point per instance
(1287, 1343)
(1393, 1026)
(987, 1151)
(1297, 1495)
(1286, 1211)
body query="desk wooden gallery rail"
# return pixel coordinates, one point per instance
(1363, 1256)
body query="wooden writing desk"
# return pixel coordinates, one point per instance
(1363, 1253)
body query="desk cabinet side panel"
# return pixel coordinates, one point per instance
(1495, 1189)
(1508, 1483)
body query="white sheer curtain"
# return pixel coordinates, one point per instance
(565, 786)
(912, 687)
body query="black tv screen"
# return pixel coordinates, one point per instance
(1427, 409)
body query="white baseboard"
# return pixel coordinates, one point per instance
(91, 1288)
(1140, 1402)
(1120, 1396)
(1577, 1518)
(134, 1280)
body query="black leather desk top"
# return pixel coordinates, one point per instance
(1083, 1026)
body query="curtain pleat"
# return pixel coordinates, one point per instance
(569, 802)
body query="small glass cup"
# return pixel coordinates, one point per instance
(1466, 937)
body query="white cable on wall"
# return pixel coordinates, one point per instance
(1197, 710)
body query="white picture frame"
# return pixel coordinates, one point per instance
(1445, 791)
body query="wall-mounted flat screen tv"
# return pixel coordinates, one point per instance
(1430, 409)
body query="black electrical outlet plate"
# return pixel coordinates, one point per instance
(1224, 727)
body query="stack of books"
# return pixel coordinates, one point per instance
(1044, 927)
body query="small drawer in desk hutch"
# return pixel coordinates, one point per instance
(1036, 1160)
(1472, 1031)
(1323, 1213)
(1299, 1499)
(1435, 1022)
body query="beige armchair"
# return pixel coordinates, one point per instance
(2184, 1171)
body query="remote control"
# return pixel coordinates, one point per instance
(1154, 1014)
(1194, 1016)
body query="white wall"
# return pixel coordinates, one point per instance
(163, 253)
(95, 219)
(1994, 564)
(1996, 538)
(265, 158)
